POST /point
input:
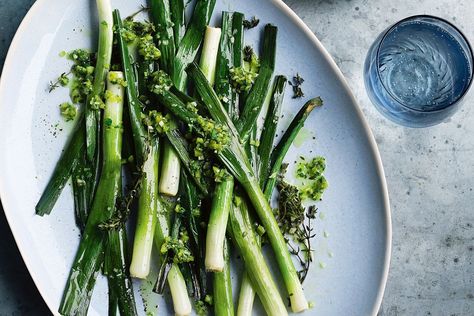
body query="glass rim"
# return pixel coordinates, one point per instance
(456, 29)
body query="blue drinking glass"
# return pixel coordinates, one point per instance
(418, 70)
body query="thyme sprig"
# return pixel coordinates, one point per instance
(248, 53)
(251, 23)
(296, 85)
(133, 15)
(295, 223)
(124, 204)
(61, 81)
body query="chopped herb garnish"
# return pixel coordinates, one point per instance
(212, 135)
(209, 299)
(96, 103)
(179, 209)
(147, 48)
(82, 71)
(160, 82)
(111, 97)
(114, 79)
(178, 247)
(242, 79)
(157, 122)
(133, 30)
(313, 171)
(201, 308)
(315, 189)
(220, 175)
(68, 111)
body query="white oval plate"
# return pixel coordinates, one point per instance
(356, 215)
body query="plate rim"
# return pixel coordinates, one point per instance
(284, 8)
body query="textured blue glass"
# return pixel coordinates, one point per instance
(418, 70)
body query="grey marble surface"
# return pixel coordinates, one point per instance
(430, 172)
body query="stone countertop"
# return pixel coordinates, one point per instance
(430, 172)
